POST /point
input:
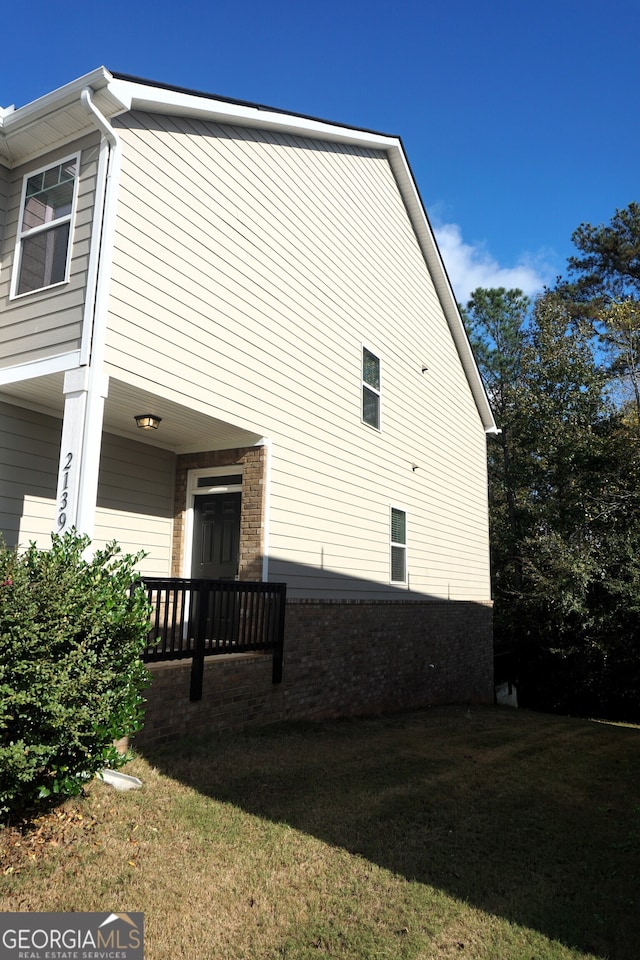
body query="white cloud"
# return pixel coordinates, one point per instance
(473, 266)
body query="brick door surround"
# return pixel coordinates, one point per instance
(252, 460)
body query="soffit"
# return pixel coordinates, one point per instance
(182, 429)
(52, 120)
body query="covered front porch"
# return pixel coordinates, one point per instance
(72, 462)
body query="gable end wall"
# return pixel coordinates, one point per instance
(249, 269)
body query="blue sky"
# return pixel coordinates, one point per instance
(520, 121)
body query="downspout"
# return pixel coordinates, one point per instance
(96, 313)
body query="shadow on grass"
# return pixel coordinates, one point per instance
(532, 818)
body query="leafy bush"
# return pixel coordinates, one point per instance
(71, 678)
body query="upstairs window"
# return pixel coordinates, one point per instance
(370, 388)
(45, 227)
(398, 545)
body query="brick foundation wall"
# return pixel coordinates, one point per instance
(342, 658)
(362, 657)
(236, 692)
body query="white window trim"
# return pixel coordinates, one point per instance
(363, 384)
(193, 491)
(405, 545)
(20, 234)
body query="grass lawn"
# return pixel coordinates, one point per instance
(485, 833)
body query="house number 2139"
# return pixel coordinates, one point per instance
(64, 496)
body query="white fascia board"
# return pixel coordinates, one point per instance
(160, 100)
(55, 100)
(39, 368)
(17, 145)
(431, 253)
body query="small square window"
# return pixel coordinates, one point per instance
(370, 388)
(398, 545)
(42, 258)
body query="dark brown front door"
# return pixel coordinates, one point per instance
(216, 536)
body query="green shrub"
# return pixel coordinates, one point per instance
(71, 678)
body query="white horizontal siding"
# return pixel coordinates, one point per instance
(249, 268)
(47, 323)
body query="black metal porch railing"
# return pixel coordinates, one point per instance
(201, 618)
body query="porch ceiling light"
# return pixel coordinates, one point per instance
(147, 421)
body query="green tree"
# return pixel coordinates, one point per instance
(497, 323)
(567, 443)
(609, 262)
(564, 514)
(604, 288)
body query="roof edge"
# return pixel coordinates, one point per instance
(151, 97)
(232, 101)
(431, 252)
(56, 98)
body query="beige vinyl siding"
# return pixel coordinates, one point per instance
(249, 269)
(29, 453)
(135, 501)
(48, 323)
(135, 490)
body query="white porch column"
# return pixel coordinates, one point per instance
(76, 386)
(80, 450)
(90, 468)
